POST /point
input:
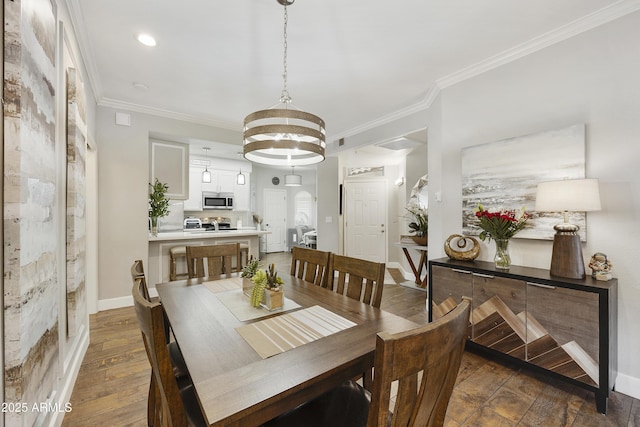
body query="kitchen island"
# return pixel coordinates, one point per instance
(159, 246)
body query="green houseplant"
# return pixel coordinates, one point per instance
(267, 288)
(419, 225)
(158, 203)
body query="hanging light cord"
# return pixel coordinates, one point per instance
(285, 98)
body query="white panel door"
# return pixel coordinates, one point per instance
(275, 219)
(366, 220)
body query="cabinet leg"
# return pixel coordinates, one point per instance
(601, 402)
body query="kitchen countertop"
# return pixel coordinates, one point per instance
(182, 235)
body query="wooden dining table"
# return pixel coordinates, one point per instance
(236, 386)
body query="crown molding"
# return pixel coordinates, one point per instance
(422, 105)
(202, 120)
(586, 23)
(579, 26)
(82, 39)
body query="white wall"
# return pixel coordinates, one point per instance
(591, 78)
(123, 166)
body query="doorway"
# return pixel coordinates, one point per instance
(275, 219)
(365, 220)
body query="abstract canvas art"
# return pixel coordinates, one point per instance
(504, 175)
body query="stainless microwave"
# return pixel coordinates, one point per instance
(217, 200)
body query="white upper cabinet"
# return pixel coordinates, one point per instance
(224, 175)
(169, 162)
(242, 200)
(222, 181)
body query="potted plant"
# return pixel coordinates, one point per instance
(267, 289)
(419, 224)
(247, 273)
(158, 204)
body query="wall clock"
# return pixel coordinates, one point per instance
(275, 180)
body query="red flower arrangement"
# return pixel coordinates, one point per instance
(500, 225)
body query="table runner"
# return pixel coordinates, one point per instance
(281, 333)
(222, 285)
(240, 305)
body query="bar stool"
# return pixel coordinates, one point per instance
(175, 253)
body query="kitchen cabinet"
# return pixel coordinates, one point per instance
(566, 328)
(170, 164)
(222, 181)
(242, 193)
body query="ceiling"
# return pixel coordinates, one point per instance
(354, 63)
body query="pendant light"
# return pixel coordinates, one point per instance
(206, 175)
(292, 180)
(240, 178)
(284, 135)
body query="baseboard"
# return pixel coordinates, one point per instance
(64, 397)
(628, 385)
(393, 264)
(111, 303)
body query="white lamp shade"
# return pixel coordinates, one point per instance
(575, 195)
(240, 179)
(292, 180)
(206, 176)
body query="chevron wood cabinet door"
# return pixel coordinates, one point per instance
(564, 327)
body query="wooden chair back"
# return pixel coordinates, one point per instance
(433, 351)
(356, 278)
(219, 259)
(137, 272)
(310, 265)
(151, 321)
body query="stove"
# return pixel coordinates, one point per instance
(208, 224)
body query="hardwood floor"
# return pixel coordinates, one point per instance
(113, 382)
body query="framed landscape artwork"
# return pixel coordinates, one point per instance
(504, 175)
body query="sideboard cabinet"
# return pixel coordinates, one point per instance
(565, 327)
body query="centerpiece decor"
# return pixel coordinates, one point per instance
(247, 273)
(501, 226)
(267, 289)
(419, 225)
(158, 204)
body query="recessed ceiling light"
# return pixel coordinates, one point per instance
(146, 40)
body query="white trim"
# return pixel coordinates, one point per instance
(586, 23)
(112, 303)
(70, 378)
(158, 112)
(579, 26)
(628, 385)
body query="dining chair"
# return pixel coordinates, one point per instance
(424, 361)
(177, 360)
(356, 278)
(173, 404)
(219, 259)
(310, 265)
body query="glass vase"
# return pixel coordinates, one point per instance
(502, 258)
(154, 226)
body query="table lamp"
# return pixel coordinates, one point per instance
(575, 195)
